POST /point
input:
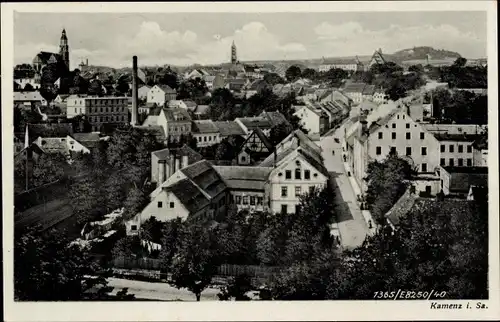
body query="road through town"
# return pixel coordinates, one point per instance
(351, 224)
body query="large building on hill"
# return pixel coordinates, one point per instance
(44, 58)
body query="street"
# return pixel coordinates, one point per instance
(351, 225)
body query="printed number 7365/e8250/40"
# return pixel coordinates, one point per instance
(409, 295)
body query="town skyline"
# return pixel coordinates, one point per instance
(195, 38)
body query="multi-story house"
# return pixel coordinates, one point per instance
(206, 133)
(142, 92)
(297, 168)
(313, 119)
(393, 131)
(255, 148)
(196, 192)
(247, 186)
(350, 65)
(457, 181)
(98, 110)
(456, 150)
(161, 94)
(175, 122)
(28, 98)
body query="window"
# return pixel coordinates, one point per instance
(284, 209)
(172, 205)
(204, 139)
(460, 149)
(442, 162)
(307, 174)
(424, 150)
(252, 200)
(422, 135)
(238, 200)
(408, 135)
(452, 148)
(243, 158)
(298, 191)
(260, 200)
(443, 148)
(297, 209)
(380, 135)
(160, 204)
(452, 162)
(393, 150)
(469, 162)
(407, 125)
(379, 150)
(408, 150)
(393, 134)
(393, 125)
(424, 167)
(288, 174)
(311, 189)
(460, 162)
(133, 227)
(469, 149)
(284, 191)
(297, 174)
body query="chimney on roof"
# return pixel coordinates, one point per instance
(380, 50)
(161, 171)
(185, 161)
(135, 115)
(87, 62)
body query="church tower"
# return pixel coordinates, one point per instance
(234, 58)
(64, 49)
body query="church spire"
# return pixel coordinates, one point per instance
(64, 48)
(234, 58)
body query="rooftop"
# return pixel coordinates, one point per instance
(227, 128)
(204, 176)
(244, 178)
(177, 115)
(190, 196)
(478, 170)
(457, 137)
(204, 126)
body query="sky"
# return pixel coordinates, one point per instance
(111, 39)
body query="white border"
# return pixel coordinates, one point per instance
(325, 310)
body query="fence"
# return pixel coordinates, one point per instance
(225, 270)
(38, 195)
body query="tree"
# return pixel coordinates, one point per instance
(134, 203)
(310, 73)
(81, 124)
(48, 168)
(292, 73)
(335, 76)
(96, 88)
(273, 79)
(88, 199)
(46, 268)
(171, 233)
(416, 68)
(122, 87)
(279, 132)
(195, 263)
(48, 89)
(386, 184)
(169, 79)
(236, 289)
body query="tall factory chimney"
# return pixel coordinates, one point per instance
(135, 115)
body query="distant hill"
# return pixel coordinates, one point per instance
(422, 52)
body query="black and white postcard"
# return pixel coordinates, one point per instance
(312, 161)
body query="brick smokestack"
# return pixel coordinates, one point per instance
(135, 115)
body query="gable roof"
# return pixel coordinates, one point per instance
(44, 56)
(263, 138)
(227, 128)
(204, 176)
(156, 130)
(354, 88)
(401, 207)
(204, 126)
(189, 195)
(28, 96)
(244, 178)
(461, 178)
(167, 89)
